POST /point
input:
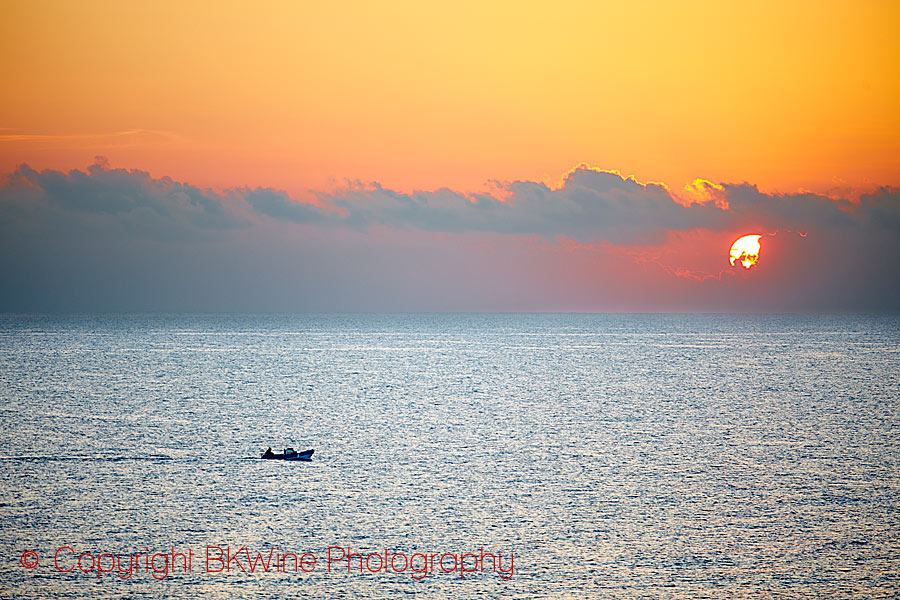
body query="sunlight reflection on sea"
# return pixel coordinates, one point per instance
(624, 456)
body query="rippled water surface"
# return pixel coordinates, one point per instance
(614, 456)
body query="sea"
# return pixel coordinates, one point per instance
(456, 456)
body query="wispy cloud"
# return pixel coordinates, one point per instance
(91, 141)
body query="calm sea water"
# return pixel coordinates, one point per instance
(613, 456)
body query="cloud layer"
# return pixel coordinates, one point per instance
(112, 239)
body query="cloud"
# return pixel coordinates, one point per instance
(129, 199)
(97, 141)
(591, 205)
(278, 205)
(114, 239)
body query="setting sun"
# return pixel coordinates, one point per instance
(745, 250)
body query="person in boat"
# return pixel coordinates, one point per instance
(268, 452)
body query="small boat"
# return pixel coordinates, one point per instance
(288, 454)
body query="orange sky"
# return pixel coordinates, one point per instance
(290, 95)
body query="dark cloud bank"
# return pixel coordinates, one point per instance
(115, 240)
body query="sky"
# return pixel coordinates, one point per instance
(407, 156)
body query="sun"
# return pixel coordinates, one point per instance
(745, 250)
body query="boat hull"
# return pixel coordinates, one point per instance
(305, 455)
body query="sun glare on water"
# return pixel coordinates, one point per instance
(745, 250)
